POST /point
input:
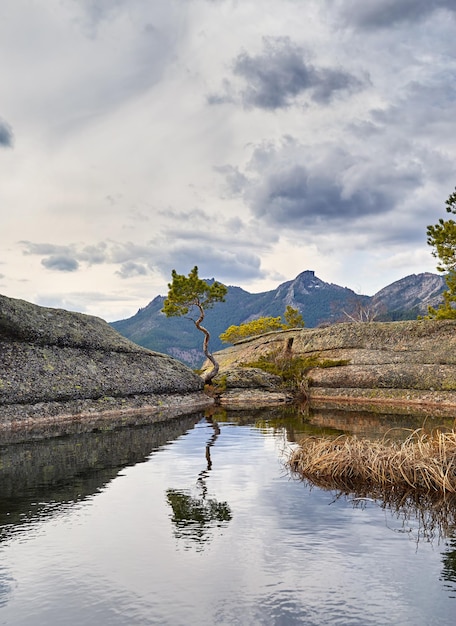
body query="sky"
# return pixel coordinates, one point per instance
(254, 139)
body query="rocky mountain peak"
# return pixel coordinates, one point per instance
(416, 291)
(317, 301)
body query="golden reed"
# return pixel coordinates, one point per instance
(425, 462)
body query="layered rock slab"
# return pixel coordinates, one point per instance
(389, 362)
(58, 363)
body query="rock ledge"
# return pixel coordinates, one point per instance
(55, 363)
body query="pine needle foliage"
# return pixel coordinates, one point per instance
(190, 296)
(442, 237)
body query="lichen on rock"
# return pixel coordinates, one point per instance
(52, 357)
(398, 362)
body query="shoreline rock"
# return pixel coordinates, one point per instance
(60, 367)
(55, 419)
(390, 363)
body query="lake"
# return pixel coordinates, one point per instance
(198, 522)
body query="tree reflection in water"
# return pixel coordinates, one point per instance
(449, 566)
(195, 516)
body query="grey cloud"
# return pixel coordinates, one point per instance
(281, 73)
(197, 228)
(235, 180)
(130, 269)
(127, 251)
(423, 107)
(6, 134)
(147, 38)
(227, 95)
(46, 248)
(297, 187)
(134, 260)
(296, 196)
(94, 255)
(329, 81)
(60, 263)
(97, 11)
(225, 264)
(222, 246)
(386, 13)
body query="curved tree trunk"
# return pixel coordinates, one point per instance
(209, 376)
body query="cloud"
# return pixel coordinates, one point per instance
(47, 248)
(280, 74)
(130, 269)
(225, 264)
(387, 13)
(110, 53)
(181, 247)
(295, 186)
(6, 134)
(296, 197)
(65, 258)
(60, 263)
(235, 179)
(94, 254)
(68, 258)
(334, 144)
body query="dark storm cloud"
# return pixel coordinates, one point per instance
(293, 189)
(275, 78)
(6, 134)
(386, 13)
(296, 196)
(60, 263)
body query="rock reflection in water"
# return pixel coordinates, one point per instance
(194, 516)
(39, 478)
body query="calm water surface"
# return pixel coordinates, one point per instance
(197, 522)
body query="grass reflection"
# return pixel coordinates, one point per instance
(415, 478)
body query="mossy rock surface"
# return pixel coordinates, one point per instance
(248, 378)
(415, 355)
(51, 355)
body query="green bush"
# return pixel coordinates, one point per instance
(292, 369)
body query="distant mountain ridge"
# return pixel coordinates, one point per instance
(317, 301)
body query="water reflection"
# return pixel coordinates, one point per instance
(195, 516)
(40, 478)
(5, 586)
(449, 566)
(197, 522)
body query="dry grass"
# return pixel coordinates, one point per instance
(415, 478)
(425, 462)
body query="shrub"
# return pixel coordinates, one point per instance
(292, 369)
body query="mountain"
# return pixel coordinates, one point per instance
(409, 297)
(318, 302)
